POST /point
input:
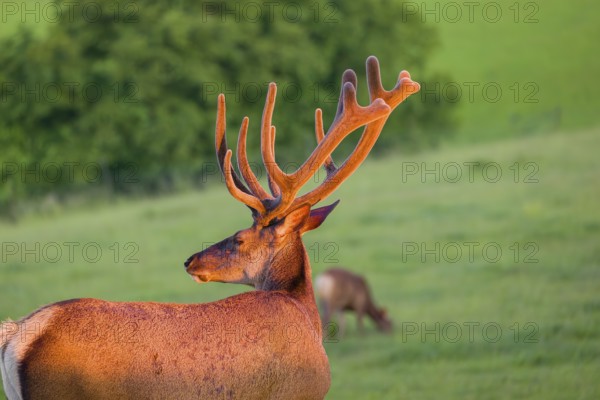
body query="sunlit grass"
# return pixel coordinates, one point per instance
(538, 53)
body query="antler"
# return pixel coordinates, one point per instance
(349, 117)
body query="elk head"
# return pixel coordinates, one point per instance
(266, 254)
(384, 323)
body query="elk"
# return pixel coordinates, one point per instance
(340, 290)
(262, 344)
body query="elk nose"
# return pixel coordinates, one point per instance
(188, 261)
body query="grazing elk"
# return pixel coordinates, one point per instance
(340, 290)
(263, 344)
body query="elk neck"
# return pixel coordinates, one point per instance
(290, 272)
(372, 311)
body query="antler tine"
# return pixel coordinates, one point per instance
(376, 90)
(272, 185)
(267, 140)
(221, 143)
(404, 88)
(244, 166)
(248, 199)
(348, 76)
(320, 133)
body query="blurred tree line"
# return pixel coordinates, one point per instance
(120, 97)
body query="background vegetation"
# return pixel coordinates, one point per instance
(544, 126)
(122, 83)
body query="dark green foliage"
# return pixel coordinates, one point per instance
(130, 88)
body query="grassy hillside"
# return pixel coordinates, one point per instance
(545, 48)
(448, 306)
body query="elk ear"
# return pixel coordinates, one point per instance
(317, 216)
(294, 220)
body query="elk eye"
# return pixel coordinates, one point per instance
(239, 241)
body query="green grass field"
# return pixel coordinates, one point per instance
(540, 56)
(543, 296)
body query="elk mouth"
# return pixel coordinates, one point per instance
(190, 269)
(200, 278)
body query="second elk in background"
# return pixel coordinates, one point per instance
(340, 290)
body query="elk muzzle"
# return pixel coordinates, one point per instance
(192, 267)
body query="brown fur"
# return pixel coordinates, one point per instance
(340, 290)
(157, 351)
